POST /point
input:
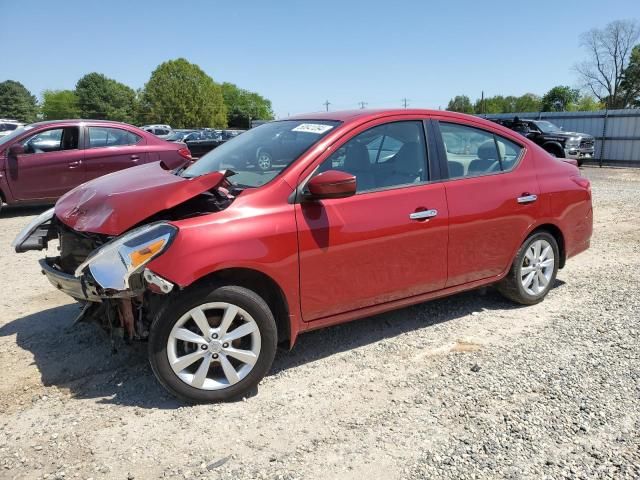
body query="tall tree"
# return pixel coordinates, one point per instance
(60, 104)
(17, 103)
(181, 94)
(460, 103)
(609, 50)
(244, 106)
(100, 97)
(560, 98)
(630, 85)
(528, 102)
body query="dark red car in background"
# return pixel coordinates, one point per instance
(42, 161)
(366, 212)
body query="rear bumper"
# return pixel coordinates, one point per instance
(78, 288)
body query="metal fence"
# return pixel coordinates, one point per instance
(617, 132)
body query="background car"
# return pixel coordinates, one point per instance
(42, 161)
(8, 126)
(160, 131)
(202, 141)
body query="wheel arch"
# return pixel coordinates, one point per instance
(263, 285)
(555, 231)
(549, 146)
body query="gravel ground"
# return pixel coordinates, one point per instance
(465, 387)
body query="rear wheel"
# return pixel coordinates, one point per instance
(533, 271)
(213, 345)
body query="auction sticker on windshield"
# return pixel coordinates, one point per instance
(316, 128)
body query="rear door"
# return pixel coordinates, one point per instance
(387, 242)
(108, 149)
(50, 166)
(492, 197)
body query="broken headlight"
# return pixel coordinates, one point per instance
(115, 262)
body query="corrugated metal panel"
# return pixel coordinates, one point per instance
(622, 139)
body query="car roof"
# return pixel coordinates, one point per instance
(364, 115)
(81, 120)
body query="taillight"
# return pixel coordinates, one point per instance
(185, 153)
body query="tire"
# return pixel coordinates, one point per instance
(516, 286)
(264, 160)
(555, 151)
(174, 336)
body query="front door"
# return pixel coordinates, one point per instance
(50, 166)
(387, 242)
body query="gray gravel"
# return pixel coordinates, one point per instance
(465, 387)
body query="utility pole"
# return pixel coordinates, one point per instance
(326, 104)
(405, 102)
(482, 103)
(362, 104)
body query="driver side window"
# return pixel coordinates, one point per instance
(53, 140)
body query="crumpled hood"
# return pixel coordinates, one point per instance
(116, 202)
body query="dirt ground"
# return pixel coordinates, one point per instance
(465, 387)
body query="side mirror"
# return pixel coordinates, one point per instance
(331, 184)
(16, 149)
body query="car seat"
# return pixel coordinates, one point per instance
(356, 162)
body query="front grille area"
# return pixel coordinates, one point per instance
(75, 247)
(586, 143)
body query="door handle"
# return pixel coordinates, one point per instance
(527, 198)
(135, 158)
(423, 214)
(75, 164)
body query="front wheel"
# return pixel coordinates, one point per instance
(213, 345)
(533, 270)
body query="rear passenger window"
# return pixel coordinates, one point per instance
(385, 156)
(111, 137)
(472, 152)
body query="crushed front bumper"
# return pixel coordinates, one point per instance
(78, 288)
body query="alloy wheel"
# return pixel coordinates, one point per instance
(537, 267)
(214, 346)
(264, 161)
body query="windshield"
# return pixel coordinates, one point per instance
(260, 154)
(16, 133)
(548, 127)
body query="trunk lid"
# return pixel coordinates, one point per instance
(114, 203)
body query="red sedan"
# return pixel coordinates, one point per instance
(42, 161)
(366, 212)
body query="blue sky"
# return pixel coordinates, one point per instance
(298, 54)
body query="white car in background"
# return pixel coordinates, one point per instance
(8, 126)
(162, 131)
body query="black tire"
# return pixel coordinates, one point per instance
(511, 286)
(555, 151)
(161, 328)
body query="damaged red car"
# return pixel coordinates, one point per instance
(217, 263)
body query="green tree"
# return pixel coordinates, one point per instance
(60, 104)
(560, 98)
(17, 103)
(631, 80)
(528, 102)
(244, 106)
(181, 94)
(587, 103)
(103, 98)
(460, 103)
